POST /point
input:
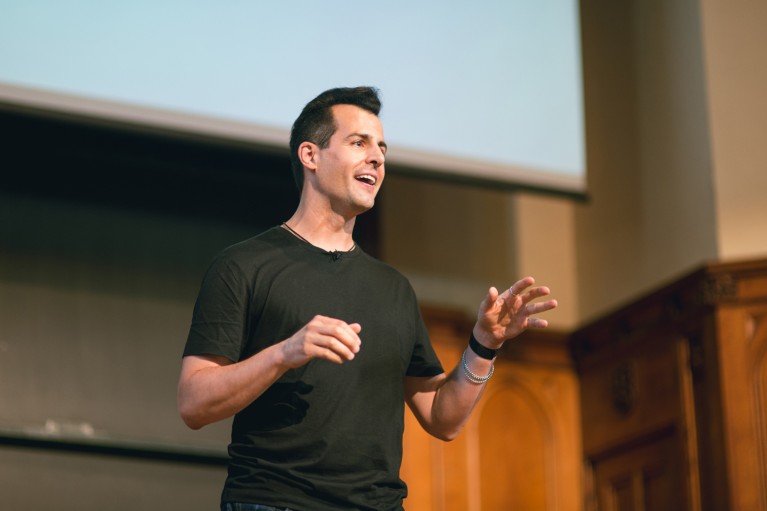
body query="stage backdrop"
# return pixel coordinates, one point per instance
(487, 90)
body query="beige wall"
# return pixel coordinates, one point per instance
(676, 118)
(651, 214)
(454, 242)
(735, 40)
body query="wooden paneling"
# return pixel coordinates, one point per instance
(516, 446)
(673, 392)
(521, 447)
(638, 431)
(642, 477)
(741, 346)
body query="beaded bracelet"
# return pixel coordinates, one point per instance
(475, 378)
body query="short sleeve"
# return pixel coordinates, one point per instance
(423, 361)
(220, 317)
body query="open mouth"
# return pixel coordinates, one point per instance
(367, 179)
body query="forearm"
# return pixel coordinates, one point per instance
(210, 393)
(442, 404)
(213, 389)
(456, 397)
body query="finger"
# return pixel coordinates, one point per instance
(329, 354)
(537, 292)
(537, 323)
(318, 345)
(340, 330)
(344, 341)
(335, 350)
(534, 293)
(519, 286)
(356, 327)
(489, 300)
(349, 336)
(537, 308)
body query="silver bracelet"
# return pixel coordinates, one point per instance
(475, 378)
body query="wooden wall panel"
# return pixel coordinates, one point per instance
(645, 477)
(758, 326)
(634, 391)
(515, 443)
(521, 448)
(742, 342)
(685, 364)
(639, 436)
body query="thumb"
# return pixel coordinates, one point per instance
(356, 327)
(490, 298)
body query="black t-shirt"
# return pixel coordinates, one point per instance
(324, 436)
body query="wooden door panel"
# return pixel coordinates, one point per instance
(515, 446)
(644, 477)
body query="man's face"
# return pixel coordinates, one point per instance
(351, 169)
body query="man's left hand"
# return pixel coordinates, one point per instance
(505, 315)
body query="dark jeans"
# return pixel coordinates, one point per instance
(237, 506)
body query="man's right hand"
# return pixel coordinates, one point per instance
(323, 337)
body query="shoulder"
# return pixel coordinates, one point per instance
(385, 273)
(271, 239)
(244, 256)
(379, 266)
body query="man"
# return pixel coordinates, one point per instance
(314, 346)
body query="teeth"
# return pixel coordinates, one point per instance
(368, 178)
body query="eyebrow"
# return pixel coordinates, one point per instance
(367, 137)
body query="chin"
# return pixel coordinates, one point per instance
(362, 207)
(365, 208)
(364, 203)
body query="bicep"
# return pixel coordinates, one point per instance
(420, 392)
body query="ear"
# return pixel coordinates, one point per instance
(308, 153)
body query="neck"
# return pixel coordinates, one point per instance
(330, 232)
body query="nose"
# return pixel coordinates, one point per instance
(376, 155)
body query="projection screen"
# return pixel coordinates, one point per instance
(486, 90)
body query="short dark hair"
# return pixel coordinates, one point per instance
(316, 123)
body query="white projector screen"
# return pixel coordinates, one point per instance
(485, 90)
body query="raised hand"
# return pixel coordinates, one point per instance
(505, 315)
